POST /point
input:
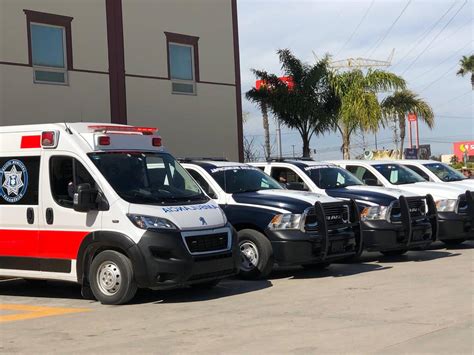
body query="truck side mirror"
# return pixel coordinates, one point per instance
(296, 186)
(371, 182)
(85, 198)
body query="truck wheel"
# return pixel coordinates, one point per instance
(256, 254)
(111, 278)
(453, 241)
(206, 285)
(394, 252)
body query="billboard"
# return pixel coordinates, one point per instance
(461, 148)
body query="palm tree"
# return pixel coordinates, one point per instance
(360, 108)
(467, 66)
(402, 102)
(259, 97)
(308, 106)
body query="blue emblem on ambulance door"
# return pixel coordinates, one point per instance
(13, 180)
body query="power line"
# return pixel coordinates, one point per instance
(455, 98)
(434, 38)
(357, 28)
(426, 33)
(440, 77)
(444, 61)
(378, 43)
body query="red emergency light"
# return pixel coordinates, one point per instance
(103, 140)
(130, 129)
(156, 141)
(48, 139)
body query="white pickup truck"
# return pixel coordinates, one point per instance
(455, 205)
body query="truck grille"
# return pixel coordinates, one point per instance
(336, 214)
(207, 243)
(416, 206)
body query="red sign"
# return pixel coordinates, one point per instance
(288, 80)
(463, 147)
(412, 117)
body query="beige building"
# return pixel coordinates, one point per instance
(171, 64)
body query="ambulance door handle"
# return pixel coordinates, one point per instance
(30, 215)
(49, 215)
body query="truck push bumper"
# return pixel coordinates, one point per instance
(324, 241)
(409, 227)
(164, 260)
(459, 224)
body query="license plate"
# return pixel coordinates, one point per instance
(337, 247)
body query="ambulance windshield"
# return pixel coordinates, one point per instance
(148, 178)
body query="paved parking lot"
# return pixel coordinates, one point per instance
(418, 303)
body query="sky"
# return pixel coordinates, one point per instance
(428, 38)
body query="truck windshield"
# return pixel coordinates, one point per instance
(398, 174)
(331, 177)
(243, 178)
(148, 178)
(444, 172)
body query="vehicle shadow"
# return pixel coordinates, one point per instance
(469, 244)
(410, 256)
(333, 270)
(68, 290)
(226, 288)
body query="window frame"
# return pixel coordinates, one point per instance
(50, 20)
(185, 41)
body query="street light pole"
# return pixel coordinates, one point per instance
(278, 130)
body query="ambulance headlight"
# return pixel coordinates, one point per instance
(374, 213)
(149, 222)
(446, 205)
(285, 221)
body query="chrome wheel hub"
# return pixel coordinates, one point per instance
(109, 278)
(248, 255)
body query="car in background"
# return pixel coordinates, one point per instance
(276, 225)
(392, 221)
(454, 204)
(436, 171)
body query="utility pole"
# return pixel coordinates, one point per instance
(278, 131)
(293, 147)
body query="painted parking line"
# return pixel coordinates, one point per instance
(31, 312)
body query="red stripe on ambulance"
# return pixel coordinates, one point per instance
(30, 142)
(41, 244)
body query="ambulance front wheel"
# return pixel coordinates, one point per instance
(111, 278)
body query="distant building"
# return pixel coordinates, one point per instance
(162, 63)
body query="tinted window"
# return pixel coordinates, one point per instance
(203, 183)
(444, 172)
(398, 174)
(66, 174)
(19, 180)
(243, 178)
(418, 171)
(328, 177)
(289, 177)
(364, 175)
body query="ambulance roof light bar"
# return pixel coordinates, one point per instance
(129, 129)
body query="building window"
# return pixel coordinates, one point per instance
(183, 63)
(49, 45)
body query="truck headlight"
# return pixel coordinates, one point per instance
(149, 222)
(374, 212)
(446, 205)
(285, 221)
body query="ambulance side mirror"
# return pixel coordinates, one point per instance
(85, 198)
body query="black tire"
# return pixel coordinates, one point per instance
(453, 241)
(116, 271)
(394, 252)
(206, 285)
(264, 261)
(317, 266)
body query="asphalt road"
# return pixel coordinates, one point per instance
(418, 303)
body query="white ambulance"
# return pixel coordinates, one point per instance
(106, 206)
